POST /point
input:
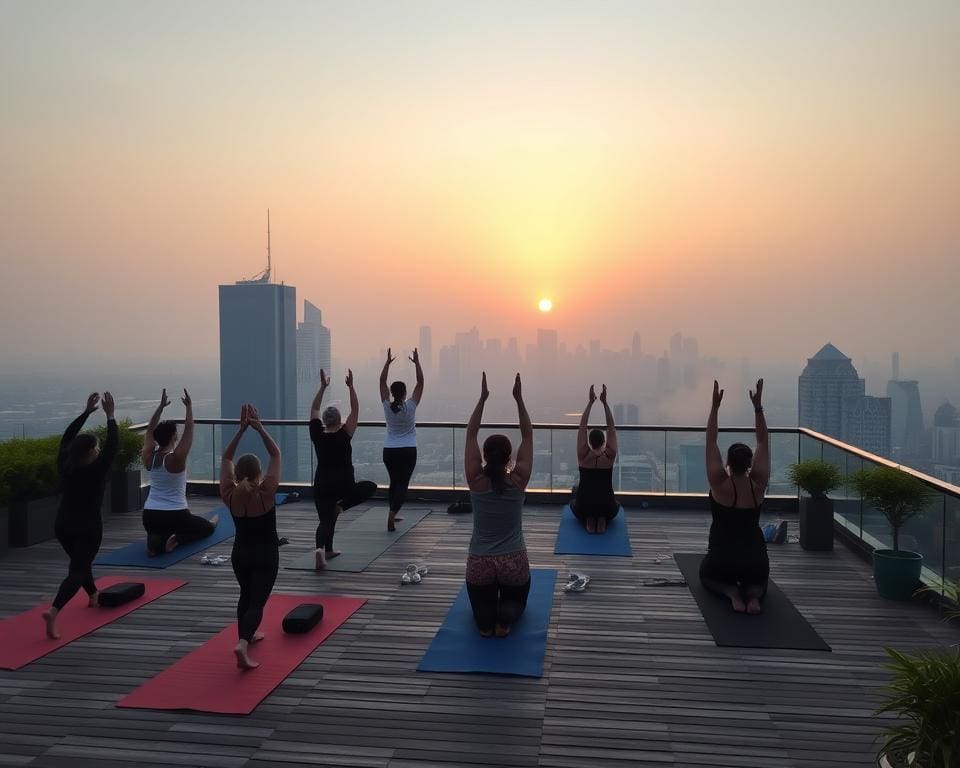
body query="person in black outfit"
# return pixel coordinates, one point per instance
(594, 504)
(736, 564)
(250, 497)
(334, 486)
(83, 469)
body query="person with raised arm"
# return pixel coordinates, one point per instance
(83, 468)
(498, 571)
(736, 564)
(166, 516)
(594, 504)
(250, 495)
(334, 485)
(400, 443)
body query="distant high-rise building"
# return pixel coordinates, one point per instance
(832, 400)
(946, 436)
(826, 382)
(470, 348)
(426, 349)
(258, 357)
(626, 413)
(635, 349)
(314, 353)
(676, 347)
(906, 417)
(895, 366)
(663, 375)
(691, 351)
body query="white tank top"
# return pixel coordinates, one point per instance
(168, 490)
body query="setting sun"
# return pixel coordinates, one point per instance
(545, 305)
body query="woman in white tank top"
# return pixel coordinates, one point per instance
(400, 444)
(166, 517)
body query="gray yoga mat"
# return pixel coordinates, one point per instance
(362, 541)
(779, 625)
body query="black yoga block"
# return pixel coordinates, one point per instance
(302, 619)
(121, 593)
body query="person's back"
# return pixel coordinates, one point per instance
(735, 527)
(334, 452)
(401, 424)
(168, 490)
(497, 521)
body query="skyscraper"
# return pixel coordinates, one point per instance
(906, 418)
(258, 357)
(866, 423)
(426, 349)
(314, 353)
(636, 352)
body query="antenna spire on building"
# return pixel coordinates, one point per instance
(269, 256)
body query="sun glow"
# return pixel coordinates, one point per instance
(545, 305)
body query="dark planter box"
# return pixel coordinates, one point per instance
(32, 521)
(123, 493)
(816, 524)
(4, 530)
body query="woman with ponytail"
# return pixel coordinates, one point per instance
(736, 564)
(498, 572)
(250, 496)
(400, 444)
(83, 469)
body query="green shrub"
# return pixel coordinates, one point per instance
(896, 494)
(131, 444)
(28, 469)
(925, 693)
(816, 476)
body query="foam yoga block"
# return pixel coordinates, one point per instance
(118, 594)
(303, 618)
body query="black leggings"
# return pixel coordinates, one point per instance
(326, 503)
(82, 550)
(400, 463)
(495, 604)
(748, 572)
(256, 571)
(161, 524)
(584, 509)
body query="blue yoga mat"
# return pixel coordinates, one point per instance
(573, 539)
(135, 554)
(458, 646)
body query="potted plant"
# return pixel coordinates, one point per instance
(899, 497)
(817, 478)
(925, 694)
(28, 488)
(123, 488)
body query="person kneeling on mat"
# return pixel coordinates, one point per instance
(593, 503)
(250, 496)
(736, 564)
(83, 468)
(166, 517)
(498, 571)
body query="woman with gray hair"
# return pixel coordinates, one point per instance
(334, 486)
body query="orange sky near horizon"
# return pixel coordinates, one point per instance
(763, 181)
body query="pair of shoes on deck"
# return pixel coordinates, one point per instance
(414, 574)
(576, 582)
(209, 559)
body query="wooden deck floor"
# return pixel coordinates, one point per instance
(632, 675)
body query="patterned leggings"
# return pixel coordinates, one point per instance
(498, 586)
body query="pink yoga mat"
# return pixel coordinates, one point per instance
(23, 637)
(208, 680)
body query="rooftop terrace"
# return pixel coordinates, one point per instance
(632, 674)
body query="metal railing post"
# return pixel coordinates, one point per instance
(551, 459)
(453, 454)
(213, 452)
(664, 462)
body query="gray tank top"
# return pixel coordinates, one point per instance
(497, 522)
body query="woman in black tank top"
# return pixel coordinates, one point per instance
(249, 495)
(736, 564)
(594, 504)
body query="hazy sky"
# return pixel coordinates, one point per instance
(765, 179)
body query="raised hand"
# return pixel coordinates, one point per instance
(415, 357)
(717, 394)
(244, 416)
(164, 400)
(390, 357)
(324, 380)
(108, 404)
(603, 394)
(591, 395)
(349, 379)
(756, 397)
(253, 418)
(186, 399)
(92, 399)
(517, 393)
(484, 392)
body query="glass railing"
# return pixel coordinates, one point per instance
(652, 461)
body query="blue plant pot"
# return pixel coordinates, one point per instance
(896, 573)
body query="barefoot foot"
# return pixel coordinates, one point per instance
(243, 660)
(332, 553)
(171, 544)
(319, 560)
(94, 600)
(601, 525)
(753, 606)
(257, 637)
(737, 602)
(50, 619)
(502, 630)
(215, 519)
(591, 525)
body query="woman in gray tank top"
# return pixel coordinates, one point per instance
(498, 572)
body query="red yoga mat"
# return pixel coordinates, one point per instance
(208, 680)
(23, 637)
